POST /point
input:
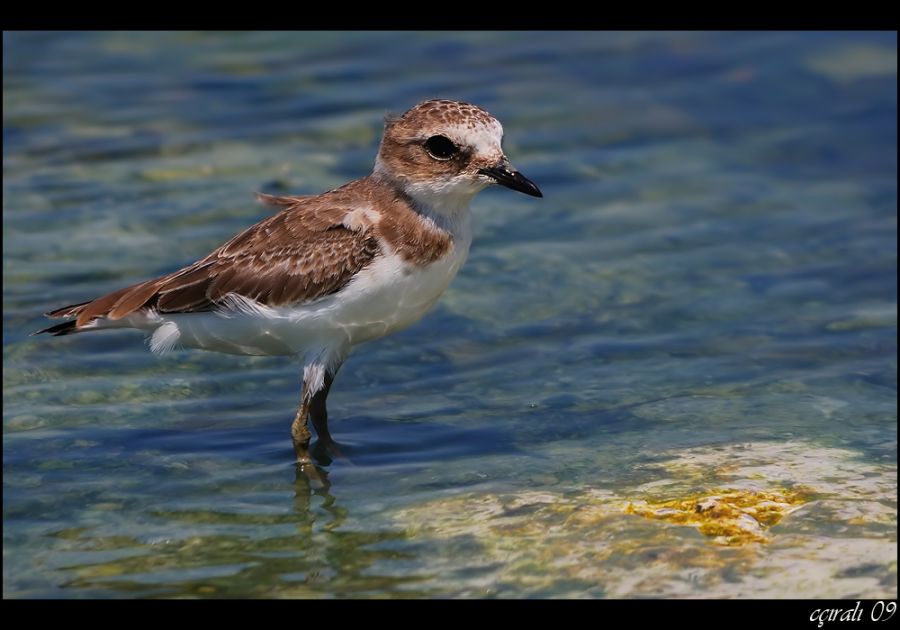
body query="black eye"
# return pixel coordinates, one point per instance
(440, 148)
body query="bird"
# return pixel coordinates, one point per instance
(328, 272)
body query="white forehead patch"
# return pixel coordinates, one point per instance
(484, 136)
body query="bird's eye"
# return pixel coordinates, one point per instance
(441, 148)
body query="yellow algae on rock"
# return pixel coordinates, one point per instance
(732, 517)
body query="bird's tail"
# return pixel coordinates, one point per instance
(66, 328)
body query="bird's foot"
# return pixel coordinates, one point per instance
(318, 479)
(325, 451)
(333, 448)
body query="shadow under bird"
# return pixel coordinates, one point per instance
(329, 271)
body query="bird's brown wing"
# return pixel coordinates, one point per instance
(298, 255)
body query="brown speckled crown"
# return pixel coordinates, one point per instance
(438, 113)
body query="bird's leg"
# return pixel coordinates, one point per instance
(300, 434)
(312, 406)
(319, 414)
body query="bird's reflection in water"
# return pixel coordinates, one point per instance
(331, 552)
(311, 480)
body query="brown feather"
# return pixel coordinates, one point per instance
(100, 307)
(133, 300)
(281, 202)
(186, 299)
(67, 311)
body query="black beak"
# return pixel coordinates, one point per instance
(512, 179)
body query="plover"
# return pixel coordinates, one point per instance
(329, 271)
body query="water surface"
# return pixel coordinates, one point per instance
(705, 300)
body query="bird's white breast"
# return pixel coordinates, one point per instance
(391, 293)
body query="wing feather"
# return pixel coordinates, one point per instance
(299, 255)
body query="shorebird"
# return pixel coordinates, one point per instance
(330, 271)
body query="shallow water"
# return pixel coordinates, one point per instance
(705, 300)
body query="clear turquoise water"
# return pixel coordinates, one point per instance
(712, 273)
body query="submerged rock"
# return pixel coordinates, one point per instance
(748, 520)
